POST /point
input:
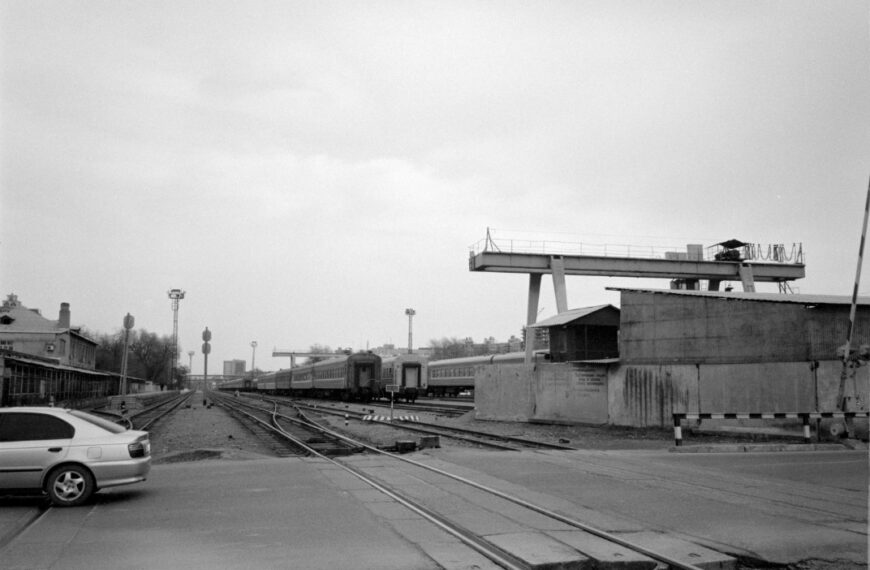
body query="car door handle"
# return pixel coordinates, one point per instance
(55, 449)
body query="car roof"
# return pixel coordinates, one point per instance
(41, 409)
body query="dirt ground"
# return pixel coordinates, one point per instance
(202, 432)
(579, 436)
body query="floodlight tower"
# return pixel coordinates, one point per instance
(253, 355)
(175, 295)
(190, 354)
(410, 313)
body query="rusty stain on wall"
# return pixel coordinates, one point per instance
(651, 396)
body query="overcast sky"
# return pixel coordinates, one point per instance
(307, 170)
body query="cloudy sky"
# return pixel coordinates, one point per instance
(307, 170)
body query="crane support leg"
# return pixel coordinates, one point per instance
(532, 313)
(747, 277)
(557, 264)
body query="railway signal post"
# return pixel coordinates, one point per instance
(206, 348)
(392, 389)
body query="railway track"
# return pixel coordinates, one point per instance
(440, 408)
(481, 438)
(146, 418)
(431, 507)
(286, 436)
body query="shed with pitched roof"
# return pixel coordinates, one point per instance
(588, 333)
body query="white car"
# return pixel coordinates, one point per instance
(68, 454)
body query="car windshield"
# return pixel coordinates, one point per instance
(105, 424)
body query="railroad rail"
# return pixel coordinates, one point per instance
(147, 417)
(495, 552)
(452, 410)
(292, 437)
(482, 438)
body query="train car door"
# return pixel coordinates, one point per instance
(363, 376)
(410, 376)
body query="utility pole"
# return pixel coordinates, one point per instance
(410, 313)
(175, 295)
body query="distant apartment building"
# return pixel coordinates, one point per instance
(26, 331)
(234, 367)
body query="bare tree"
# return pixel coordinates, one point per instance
(448, 348)
(152, 354)
(319, 349)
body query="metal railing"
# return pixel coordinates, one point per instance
(513, 243)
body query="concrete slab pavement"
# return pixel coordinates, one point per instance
(267, 513)
(782, 521)
(308, 513)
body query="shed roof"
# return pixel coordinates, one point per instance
(757, 297)
(570, 316)
(17, 357)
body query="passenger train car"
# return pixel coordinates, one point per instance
(365, 376)
(346, 377)
(454, 375)
(239, 384)
(408, 373)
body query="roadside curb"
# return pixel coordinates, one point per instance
(762, 447)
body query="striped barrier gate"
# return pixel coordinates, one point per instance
(378, 418)
(805, 416)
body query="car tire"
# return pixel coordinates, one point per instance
(70, 485)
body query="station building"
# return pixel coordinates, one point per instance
(26, 331)
(44, 360)
(685, 351)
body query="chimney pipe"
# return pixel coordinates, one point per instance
(64, 320)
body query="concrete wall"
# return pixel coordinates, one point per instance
(562, 392)
(504, 392)
(648, 395)
(673, 328)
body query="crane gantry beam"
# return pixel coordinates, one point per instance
(294, 353)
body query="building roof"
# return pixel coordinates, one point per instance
(29, 359)
(570, 316)
(26, 320)
(744, 296)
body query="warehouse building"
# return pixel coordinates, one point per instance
(694, 352)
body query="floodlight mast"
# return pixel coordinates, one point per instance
(410, 313)
(175, 295)
(253, 356)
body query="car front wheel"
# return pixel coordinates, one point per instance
(70, 486)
